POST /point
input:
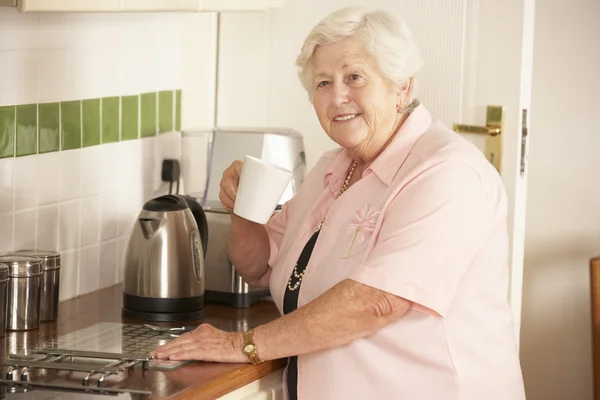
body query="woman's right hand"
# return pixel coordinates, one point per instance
(229, 185)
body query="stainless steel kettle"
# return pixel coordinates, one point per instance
(164, 266)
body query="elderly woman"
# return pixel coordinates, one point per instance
(390, 264)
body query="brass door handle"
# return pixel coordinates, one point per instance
(481, 130)
(494, 126)
(493, 123)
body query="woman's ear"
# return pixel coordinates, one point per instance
(403, 96)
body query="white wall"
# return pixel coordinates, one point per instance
(563, 212)
(83, 202)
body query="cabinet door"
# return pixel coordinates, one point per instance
(234, 5)
(160, 5)
(266, 388)
(69, 5)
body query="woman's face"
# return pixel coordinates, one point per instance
(356, 105)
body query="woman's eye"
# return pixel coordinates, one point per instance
(355, 77)
(322, 84)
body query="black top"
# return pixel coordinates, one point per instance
(290, 303)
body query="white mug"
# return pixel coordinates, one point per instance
(261, 186)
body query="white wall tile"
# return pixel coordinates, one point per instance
(48, 178)
(89, 267)
(91, 170)
(109, 213)
(24, 229)
(138, 70)
(47, 228)
(198, 66)
(148, 159)
(18, 77)
(149, 193)
(108, 263)
(108, 169)
(122, 252)
(97, 30)
(129, 160)
(56, 30)
(167, 145)
(19, 30)
(69, 275)
(70, 171)
(90, 221)
(57, 75)
(130, 204)
(99, 63)
(6, 233)
(68, 226)
(25, 182)
(168, 30)
(167, 68)
(6, 185)
(243, 37)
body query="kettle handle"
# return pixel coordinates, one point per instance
(201, 221)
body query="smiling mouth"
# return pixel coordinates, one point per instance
(344, 118)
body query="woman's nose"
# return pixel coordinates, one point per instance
(341, 94)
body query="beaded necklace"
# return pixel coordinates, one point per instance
(300, 275)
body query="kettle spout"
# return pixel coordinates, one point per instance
(149, 226)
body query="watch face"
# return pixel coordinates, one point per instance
(249, 348)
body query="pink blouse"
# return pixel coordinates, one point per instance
(426, 222)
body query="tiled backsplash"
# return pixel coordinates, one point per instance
(82, 99)
(42, 128)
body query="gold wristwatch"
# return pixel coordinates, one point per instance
(249, 348)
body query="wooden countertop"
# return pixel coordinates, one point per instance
(199, 380)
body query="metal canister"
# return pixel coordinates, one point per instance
(3, 298)
(24, 284)
(49, 294)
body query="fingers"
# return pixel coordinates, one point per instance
(206, 343)
(184, 351)
(166, 349)
(229, 185)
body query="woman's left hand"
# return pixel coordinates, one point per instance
(205, 343)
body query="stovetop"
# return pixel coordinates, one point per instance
(41, 394)
(94, 362)
(112, 337)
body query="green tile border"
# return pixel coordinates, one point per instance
(130, 126)
(27, 135)
(110, 119)
(165, 111)
(148, 114)
(90, 122)
(70, 123)
(27, 129)
(7, 131)
(178, 110)
(48, 127)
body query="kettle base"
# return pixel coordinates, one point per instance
(163, 309)
(162, 317)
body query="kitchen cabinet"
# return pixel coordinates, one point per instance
(159, 5)
(68, 5)
(142, 5)
(268, 388)
(239, 5)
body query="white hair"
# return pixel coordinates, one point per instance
(385, 37)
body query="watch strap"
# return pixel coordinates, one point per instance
(251, 355)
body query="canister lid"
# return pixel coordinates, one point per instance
(3, 273)
(50, 259)
(22, 266)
